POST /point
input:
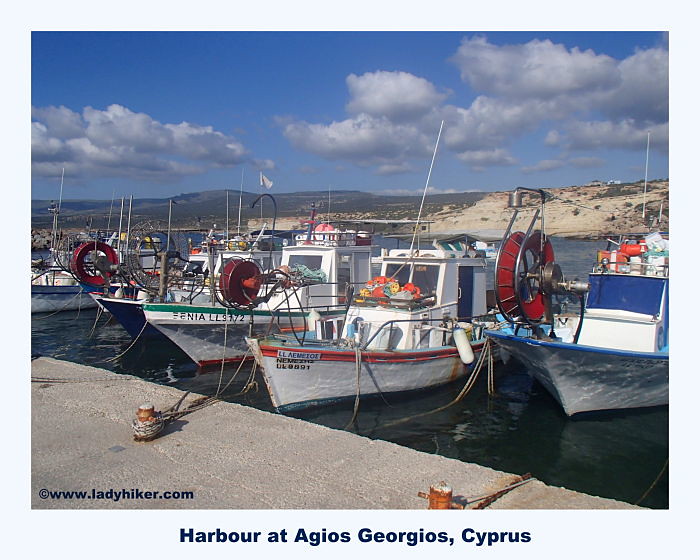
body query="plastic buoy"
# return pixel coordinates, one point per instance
(466, 354)
(312, 318)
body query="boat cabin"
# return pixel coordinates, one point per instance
(326, 273)
(415, 300)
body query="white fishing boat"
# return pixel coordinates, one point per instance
(64, 282)
(613, 353)
(54, 289)
(417, 314)
(321, 268)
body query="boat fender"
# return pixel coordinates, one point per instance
(313, 317)
(466, 354)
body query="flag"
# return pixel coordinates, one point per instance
(265, 182)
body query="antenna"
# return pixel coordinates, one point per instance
(57, 211)
(425, 190)
(240, 202)
(646, 170)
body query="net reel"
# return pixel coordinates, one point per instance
(148, 246)
(94, 263)
(526, 274)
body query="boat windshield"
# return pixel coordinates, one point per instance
(312, 262)
(424, 276)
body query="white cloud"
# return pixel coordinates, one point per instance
(544, 165)
(538, 69)
(587, 162)
(626, 134)
(364, 140)
(480, 159)
(117, 142)
(586, 100)
(394, 95)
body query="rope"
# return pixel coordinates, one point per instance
(467, 387)
(97, 318)
(223, 351)
(358, 371)
(656, 480)
(78, 380)
(472, 499)
(145, 324)
(64, 306)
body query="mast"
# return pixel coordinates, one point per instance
(646, 170)
(425, 190)
(240, 202)
(56, 212)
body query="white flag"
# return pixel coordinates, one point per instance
(265, 182)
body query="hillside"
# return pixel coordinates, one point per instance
(580, 211)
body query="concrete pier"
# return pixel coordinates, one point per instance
(230, 456)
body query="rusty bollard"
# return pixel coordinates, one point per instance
(440, 497)
(148, 423)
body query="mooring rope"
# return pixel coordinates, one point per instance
(133, 342)
(485, 350)
(358, 371)
(653, 484)
(64, 306)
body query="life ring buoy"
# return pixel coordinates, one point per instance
(78, 262)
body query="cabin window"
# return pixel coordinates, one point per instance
(398, 272)
(312, 262)
(426, 278)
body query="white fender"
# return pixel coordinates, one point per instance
(312, 318)
(466, 354)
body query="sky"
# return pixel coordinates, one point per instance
(156, 114)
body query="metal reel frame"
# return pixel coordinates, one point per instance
(149, 240)
(520, 288)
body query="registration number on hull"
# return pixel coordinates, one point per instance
(288, 359)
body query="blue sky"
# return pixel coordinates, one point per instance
(156, 114)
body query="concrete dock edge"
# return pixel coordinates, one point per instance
(231, 456)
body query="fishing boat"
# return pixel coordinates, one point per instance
(613, 352)
(54, 289)
(65, 280)
(190, 285)
(320, 268)
(417, 313)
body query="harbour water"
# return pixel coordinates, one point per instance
(620, 454)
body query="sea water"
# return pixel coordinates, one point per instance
(616, 454)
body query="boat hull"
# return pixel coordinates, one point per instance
(130, 315)
(587, 378)
(49, 299)
(212, 335)
(308, 376)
